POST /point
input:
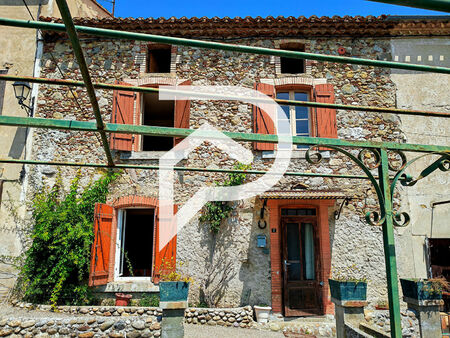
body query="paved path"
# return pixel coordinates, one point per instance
(206, 331)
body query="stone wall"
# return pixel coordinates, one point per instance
(380, 320)
(232, 254)
(236, 317)
(83, 327)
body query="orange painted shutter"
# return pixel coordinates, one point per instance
(103, 216)
(326, 117)
(182, 113)
(262, 123)
(168, 253)
(122, 113)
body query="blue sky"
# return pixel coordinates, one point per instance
(232, 8)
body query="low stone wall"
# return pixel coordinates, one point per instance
(103, 311)
(380, 319)
(237, 317)
(81, 327)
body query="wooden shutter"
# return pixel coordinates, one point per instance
(100, 253)
(182, 113)
(168, 253)
(262, 123)
(122, 113)
(326, 117)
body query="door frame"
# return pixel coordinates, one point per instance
(324, 211)
(298, 220)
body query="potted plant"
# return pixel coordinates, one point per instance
(262, 313)
(382, 305)
(173, 285)
(348, 284)
(424, 289)
(122, 299)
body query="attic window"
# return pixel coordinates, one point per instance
(289, 65)
(158, 59)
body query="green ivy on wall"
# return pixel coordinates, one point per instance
(56, 266)
(215, 212)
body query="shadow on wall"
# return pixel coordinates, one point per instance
(254, 270)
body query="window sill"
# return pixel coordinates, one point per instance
(296, 153)
(141, 155)
(131, 284)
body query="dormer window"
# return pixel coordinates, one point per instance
(158, 59)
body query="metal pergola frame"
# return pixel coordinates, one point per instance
(383, 184)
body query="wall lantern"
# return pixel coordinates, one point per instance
(21, 91)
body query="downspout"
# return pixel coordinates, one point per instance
(34, 95)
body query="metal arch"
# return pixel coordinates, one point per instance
(378, 218)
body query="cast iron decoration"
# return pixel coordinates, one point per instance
(379, 154)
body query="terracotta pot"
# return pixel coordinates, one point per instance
(122, 299)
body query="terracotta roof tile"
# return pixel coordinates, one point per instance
(273, 26)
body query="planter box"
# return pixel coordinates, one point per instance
(419, 289)
(344, 291)
(173, 295)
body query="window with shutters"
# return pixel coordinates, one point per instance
(303, 121)
(147, 109)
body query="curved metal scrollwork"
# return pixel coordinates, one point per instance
(369, 159)
(315, 157)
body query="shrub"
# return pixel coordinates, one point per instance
(56, 266)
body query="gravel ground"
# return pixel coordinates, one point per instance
(8, 310)
(206, 331)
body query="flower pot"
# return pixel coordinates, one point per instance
(122, 299)
(348, 290)
(173, 291)
(420, 289)
(262, 313)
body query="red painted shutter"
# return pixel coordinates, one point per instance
(103, 216)
(262, 123)
(168, 253)
(182, 113)
(122, 113)
(326, 117)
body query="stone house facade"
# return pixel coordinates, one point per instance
(278, 248)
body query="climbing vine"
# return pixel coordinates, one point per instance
(56, 266)
(215, 212)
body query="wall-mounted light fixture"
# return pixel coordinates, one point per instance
(21, 91)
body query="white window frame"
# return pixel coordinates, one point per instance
(292, 118)
(119, 259)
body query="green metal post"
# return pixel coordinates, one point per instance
(312, 104)
(17, 121)
(389, 248)
(434, 5)
(223, 46)
(67, 18)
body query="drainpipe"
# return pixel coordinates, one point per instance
(34, 95)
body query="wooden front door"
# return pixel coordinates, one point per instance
(300, 265)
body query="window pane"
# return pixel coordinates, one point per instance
(293, 251)
(283, 96)
(302, 127)
(300, 96)
(308, 251)
(301, 112)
